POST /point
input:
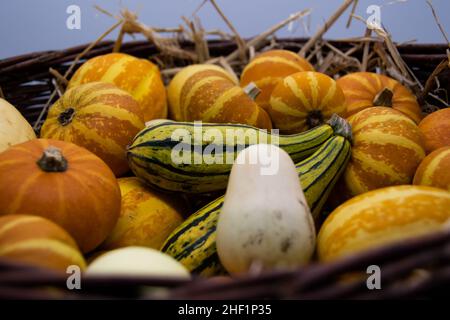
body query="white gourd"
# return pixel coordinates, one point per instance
(265, 220)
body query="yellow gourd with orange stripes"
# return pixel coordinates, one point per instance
(99, 117)
(366, 89)
(434, 170)
(381, 217)
(147, 217)
(269, 68)
(139, 77)
(204, 93)
(304, 100)
(387, 149)
(193, 72)
(38, 242)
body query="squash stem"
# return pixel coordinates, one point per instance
(341, 127)
(52, 160)
(252, 90)
(383, 98)
(66, 116)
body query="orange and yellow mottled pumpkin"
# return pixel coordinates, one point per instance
(304, 100)
(387, 149)
(64, 183)
(139, 77)
(38, 242)
(147, 217)
(435, 128)
(434, 170)
(99, 117)
(210, 95)
(269, 68)
(193, 72)
(381, 217)
(363, 90)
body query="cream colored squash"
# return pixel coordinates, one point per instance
(265, 221)
(14, 128)
(137, 261)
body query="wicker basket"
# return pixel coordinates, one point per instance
(412, 269)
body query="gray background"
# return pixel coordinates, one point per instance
(33, 25)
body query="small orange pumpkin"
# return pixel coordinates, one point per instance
(99, 117)
(363, 90)
(434, 170)
(435, 128)
(269, 68)
(38, 242)
(64, 183)
(139, 77)
(213, 97)
(304, 100)
(387, 149)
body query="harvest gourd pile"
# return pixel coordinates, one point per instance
(352, 165)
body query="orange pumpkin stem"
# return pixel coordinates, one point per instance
(383, 98)
(252, 90)
(66, 116)
(52, 160)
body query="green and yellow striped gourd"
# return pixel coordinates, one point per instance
(151, 154)
(193, 243)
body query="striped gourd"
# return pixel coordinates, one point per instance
(139, 77)
(269, 68)
(213, 97)
(38, 242)
(380, 217)
(151, 156)
(434, 170)
(193, 242)
(199, 71)
(304, 100)
(387, 149)
(363, 90)
(99, 117)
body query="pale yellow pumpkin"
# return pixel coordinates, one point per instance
(14, 128)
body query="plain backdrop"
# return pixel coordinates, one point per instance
(35, 25)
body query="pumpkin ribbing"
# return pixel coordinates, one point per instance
(99, 117)
(139, 77)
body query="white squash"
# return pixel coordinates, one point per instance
(137, 261)
(14, 128)
(265, 221)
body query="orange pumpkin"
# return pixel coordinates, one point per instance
(38, 242)
(139, 77)
(434, 170)
(213, 97)
(381, 217)
(363, 90)
(387, 149)
(64, 183)
(304, 100)
(269, 68)
(435, 128)
(99, 117)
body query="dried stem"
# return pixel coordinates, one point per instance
(327, 25)
(261, 38)
(438, 22)
(72, 66)
(239, 41)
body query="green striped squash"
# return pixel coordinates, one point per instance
(150, 156)
(193, 243)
